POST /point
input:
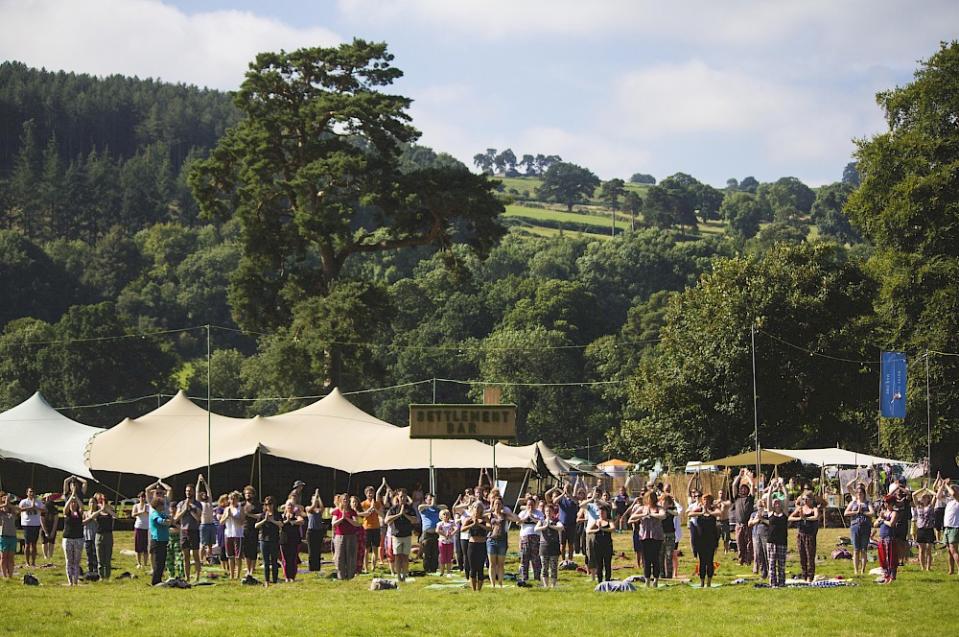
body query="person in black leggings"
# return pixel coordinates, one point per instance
(707, 537)
(650, 518)
(478, 528)
(601, 557)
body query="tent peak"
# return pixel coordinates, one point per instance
(37, 397)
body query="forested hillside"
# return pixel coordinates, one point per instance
(120, 215)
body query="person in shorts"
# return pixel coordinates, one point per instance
(8, 535)
(568, 509)
(950, 530)
(401, 518)
(232, 523)
(30, 509)
(187, 515)
(371, 512)
(207, 521)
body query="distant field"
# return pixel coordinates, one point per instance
(530, 184)
(596, 223)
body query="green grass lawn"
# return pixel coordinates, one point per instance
(316, 605)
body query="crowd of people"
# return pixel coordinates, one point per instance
(180, 539)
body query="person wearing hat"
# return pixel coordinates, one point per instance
(296, 496)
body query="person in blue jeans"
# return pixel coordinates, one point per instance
(269, 529)
(860, 514)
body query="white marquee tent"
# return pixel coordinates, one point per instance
(539, 456)
(829, 457)
(332, 432)
(33, 431)
(826, 457)
(169, 440)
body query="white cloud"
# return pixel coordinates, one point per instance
(693, 99)
(850, 33)
(145, 38)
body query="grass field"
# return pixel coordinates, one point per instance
(317, 605)
(596, 223)
(530, 184)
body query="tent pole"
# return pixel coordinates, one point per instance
(752, 332)
(209, 435)
(522, 487)
(495, 476)
(432, 470)
(117, 490)
(259, 470)
(928, 424)
(252, 467)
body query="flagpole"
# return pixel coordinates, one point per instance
(209, 434)
(752, 331)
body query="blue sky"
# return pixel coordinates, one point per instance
(715, 89)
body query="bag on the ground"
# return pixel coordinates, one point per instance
(30, 580)
(381, 584)
(614, 587)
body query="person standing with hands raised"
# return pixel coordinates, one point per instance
(187, 516)
(401, 517)
(30, 509)
(806, 514)
(345, 529)
(650, 518)
(269, 530)
(159, 536)
(315, 531)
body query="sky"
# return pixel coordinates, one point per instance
(713, 89)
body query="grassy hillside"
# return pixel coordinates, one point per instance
(590, 219)
(525, 188)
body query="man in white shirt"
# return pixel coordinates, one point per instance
(950, 524)
(30, 508)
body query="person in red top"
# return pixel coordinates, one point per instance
(345, 528)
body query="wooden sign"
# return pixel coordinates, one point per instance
(480, 422)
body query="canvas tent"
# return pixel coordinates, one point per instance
(331, 432)
(539, 458)
(169, 440)
(821, 457)
(33, 431)
(767, 456)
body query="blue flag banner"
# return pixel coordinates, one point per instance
(892, 401)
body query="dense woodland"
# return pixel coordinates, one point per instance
(122, 211)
